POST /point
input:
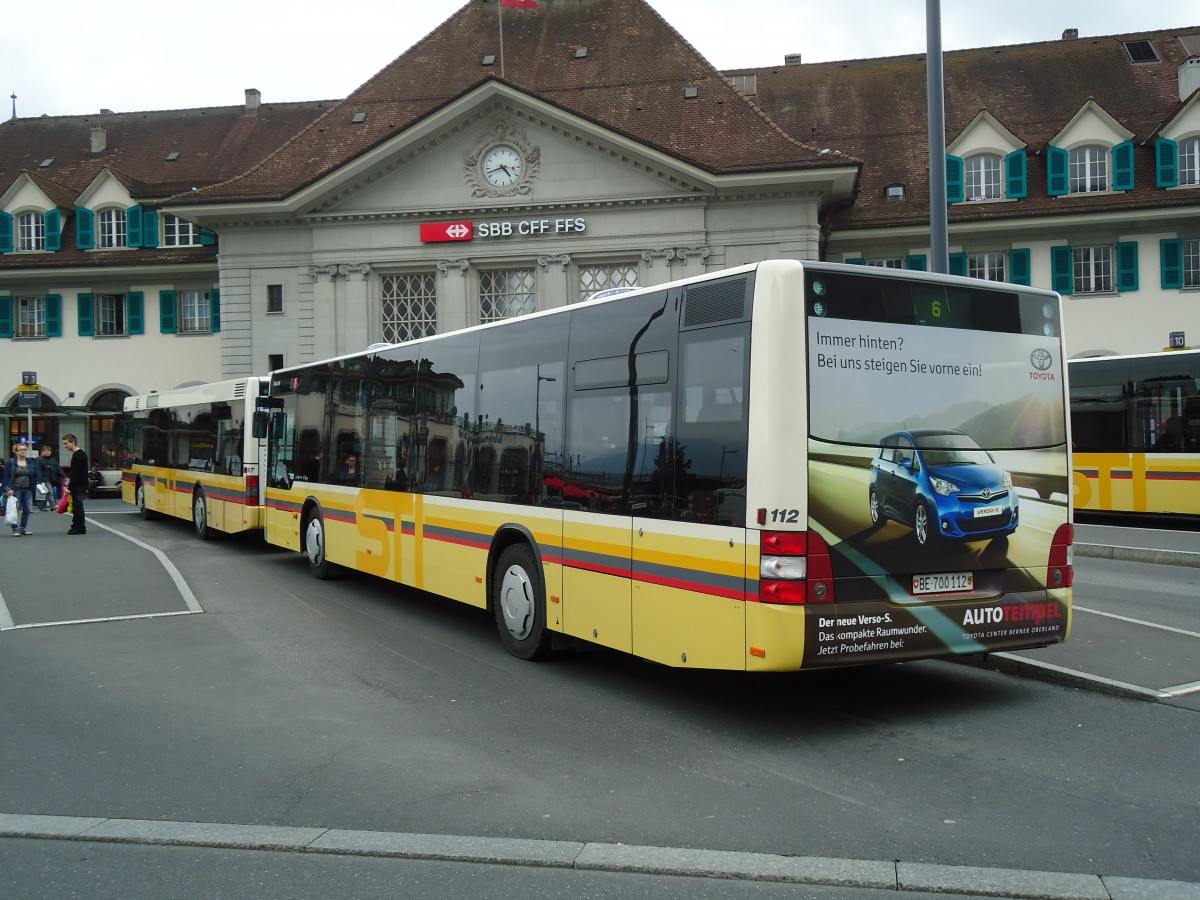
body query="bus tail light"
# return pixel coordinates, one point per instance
(252, 490)
(1061, 571)
(794, 568)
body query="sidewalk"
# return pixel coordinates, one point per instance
(1148, 545)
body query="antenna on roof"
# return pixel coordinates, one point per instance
(14, 100)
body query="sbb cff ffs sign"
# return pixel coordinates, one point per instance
(437, 232)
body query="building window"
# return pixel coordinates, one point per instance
(179, 232)
(1189, 161)
(409, 306)
(896, 262)
(1088, 170)
(31, 316)
(195, 312)
(982, 177)
(31, 231)
(274, 298)
(111, 315)
(1093, 270)
(506, 294)
(601, 278)
(110, 228)
(1191, 264)
(990, 266)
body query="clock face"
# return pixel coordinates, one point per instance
(502, 166)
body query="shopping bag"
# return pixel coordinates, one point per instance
(12, 513)
(43, 489)
(64, 505)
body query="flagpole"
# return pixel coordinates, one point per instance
(500, 19)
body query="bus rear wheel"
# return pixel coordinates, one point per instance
(519, 604)
(140, 496)
(314, 547)
(200, 515)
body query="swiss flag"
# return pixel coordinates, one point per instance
(520, 4)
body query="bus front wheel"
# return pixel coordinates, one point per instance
(314, 547)
(519, 603)
(143, 510)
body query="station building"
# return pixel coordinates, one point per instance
(151, 250)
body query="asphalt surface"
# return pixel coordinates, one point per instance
(28, 602)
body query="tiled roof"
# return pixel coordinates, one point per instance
(875, 109)
(213, 144)
(631, 81)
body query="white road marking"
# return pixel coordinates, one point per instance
(1097, 612)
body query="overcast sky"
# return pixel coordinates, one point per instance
(75, 57)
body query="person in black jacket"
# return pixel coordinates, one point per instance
(78, 483)
(52, 476)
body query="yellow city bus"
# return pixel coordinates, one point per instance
(1135, 422)
(189, 454)
(776, 467)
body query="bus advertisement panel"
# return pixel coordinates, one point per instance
(938, 467)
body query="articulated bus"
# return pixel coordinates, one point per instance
(776, 467)
(1135, 421)
(190, 454)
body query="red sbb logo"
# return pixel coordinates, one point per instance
(438, 232)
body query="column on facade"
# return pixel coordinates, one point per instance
(453, 303)
(556, 290)
(357, 313)
(325, 318)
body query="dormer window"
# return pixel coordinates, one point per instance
(31, 231)
(1088, 169)
(110, 228)
(179, 232)
(982, 179)
(1189, 161)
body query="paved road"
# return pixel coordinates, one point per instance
(140, 581)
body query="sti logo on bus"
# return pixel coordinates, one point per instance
(435, 232)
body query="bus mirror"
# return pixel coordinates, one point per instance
(261, 418)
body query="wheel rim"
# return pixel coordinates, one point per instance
(314, 541)
(200, 514)
(516, 602)
(874, 507)
(141, 497)
(922, 525)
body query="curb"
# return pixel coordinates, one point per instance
(1139, 554)
(599, 857)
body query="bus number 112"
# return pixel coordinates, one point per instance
(786, 516)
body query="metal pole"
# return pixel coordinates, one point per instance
(935, 96)
(29, 426)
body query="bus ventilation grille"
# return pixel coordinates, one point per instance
(724, 301)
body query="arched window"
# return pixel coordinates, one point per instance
(981, 177)
(110, 228)
(1088, 169)
(31, 231)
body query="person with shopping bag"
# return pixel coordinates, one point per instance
(18, 481)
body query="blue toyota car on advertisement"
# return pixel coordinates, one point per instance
(941, 483)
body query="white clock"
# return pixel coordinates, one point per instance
(503, 166)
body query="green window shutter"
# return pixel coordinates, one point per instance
(1127, 266)
(1062, 270)
(954, 179)
(133, 226)
(87, 321)
(1057, 182)
(6, 318)
(150, 228)
(53, 229)
(1019, 266)
(134, 309)
(1122, 157)
(208, 237)
(214, 308)
(6, 232)
(85, 229)
(166, 312)
(856, 261)
(916, 262)
(958, 264)
(1166, 156)
(1016, 181)
(1170, 257)
(54, 315)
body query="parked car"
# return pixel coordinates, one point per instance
(941, 483)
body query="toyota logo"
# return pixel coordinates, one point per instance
(987, 494)
(1041, 359)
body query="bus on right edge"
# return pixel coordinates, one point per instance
(1135, 421)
